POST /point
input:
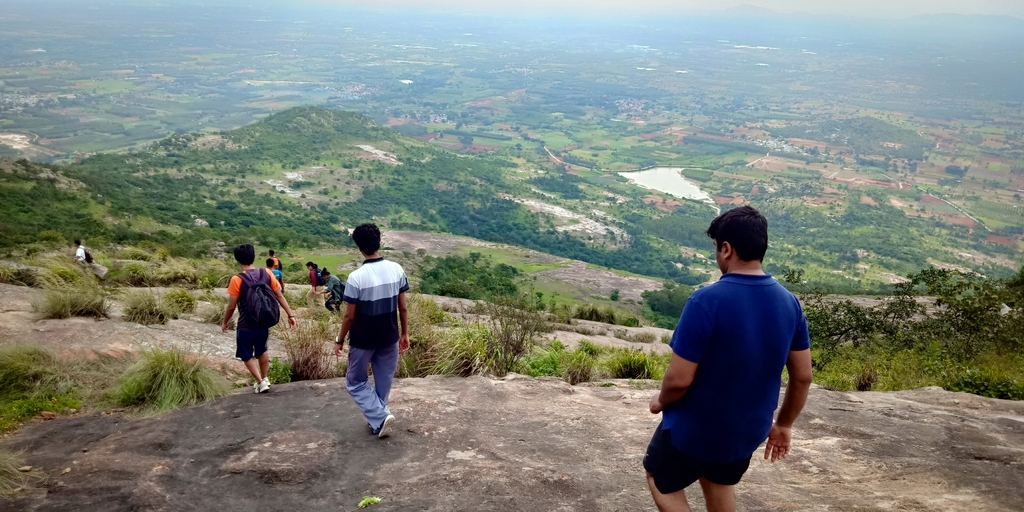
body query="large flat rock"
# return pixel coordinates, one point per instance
(516, 444)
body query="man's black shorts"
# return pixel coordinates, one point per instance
(251, 343)
(674, 471)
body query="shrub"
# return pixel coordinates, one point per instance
(280, 371)
(666, 338)
(180, 301)
(310, 348)
(143, 307)
(213, 273)
(633, 364)
(65, 301)
(595, 314)
(11, 477)
(461, 351)
(167, 378)
(514, 326)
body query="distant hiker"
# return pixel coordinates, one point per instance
(276, 271)
(316, 279)
(277, 262)
(82, 256)
(84, 259)
(335, 291)
(257, 294)
(373, 293)
(721, 388)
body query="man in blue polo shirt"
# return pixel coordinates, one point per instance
(721, 388)
(374, 293)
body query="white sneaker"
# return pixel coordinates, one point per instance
(263, 386)
(385, 428)
(256, 388)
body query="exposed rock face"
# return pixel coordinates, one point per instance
(515, 444)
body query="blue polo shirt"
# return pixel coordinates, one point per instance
(739, 331)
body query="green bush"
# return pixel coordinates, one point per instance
(132, 253)
(143, 307)
(56, 272)
(167, 378)
(633, 364)
(180, 301)
(554, 361)
(176, 272)
(280, 371)
(66, 301)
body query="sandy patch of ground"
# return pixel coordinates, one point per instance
(377, 154)
(595, 281)
(574, 222)
(868, 201)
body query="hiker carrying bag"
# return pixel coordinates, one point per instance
(258, 307)
(88, 256)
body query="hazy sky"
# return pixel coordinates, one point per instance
(860, 8)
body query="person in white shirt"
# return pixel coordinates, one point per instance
(80, 253)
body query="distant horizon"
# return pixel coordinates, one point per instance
(861, 9)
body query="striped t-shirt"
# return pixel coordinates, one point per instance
(374, 289)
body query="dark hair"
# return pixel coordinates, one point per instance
(325, 272)
(367, 238)
(270, 262)
(78, 242)
(245, 254)
(745, 229)
(310, 264)
(270, 252)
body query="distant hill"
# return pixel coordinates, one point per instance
(295, 178)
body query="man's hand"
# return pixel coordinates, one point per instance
(338, 348)
(223, 327)
(403, 343)
(291, 322)
(778, 442)
(656, 406)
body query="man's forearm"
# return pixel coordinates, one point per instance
(793, 402)
(671, 394)
(346, 324)
(228, 314)
(403, 319)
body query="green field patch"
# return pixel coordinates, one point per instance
(104, 86)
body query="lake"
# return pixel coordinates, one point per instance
(670, 181)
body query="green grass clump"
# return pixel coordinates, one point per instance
(65, 301)
(12, 478)
(132, 253)
(574, 366)
(634, 364)
(130, 273)
(460, 351)
(31, 381)
(180, 301)
(7, 274)
(143, 307)
(167, 378)
(176, 272)
(280, 371)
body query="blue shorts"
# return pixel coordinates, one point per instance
(251, 343)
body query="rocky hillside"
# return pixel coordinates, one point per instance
(514, 444)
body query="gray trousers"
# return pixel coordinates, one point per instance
(372, 399)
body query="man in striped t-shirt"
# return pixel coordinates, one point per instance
(374, 293)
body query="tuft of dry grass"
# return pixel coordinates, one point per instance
(68, 300)
(143, 307)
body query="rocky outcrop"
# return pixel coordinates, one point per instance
(514, 444)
